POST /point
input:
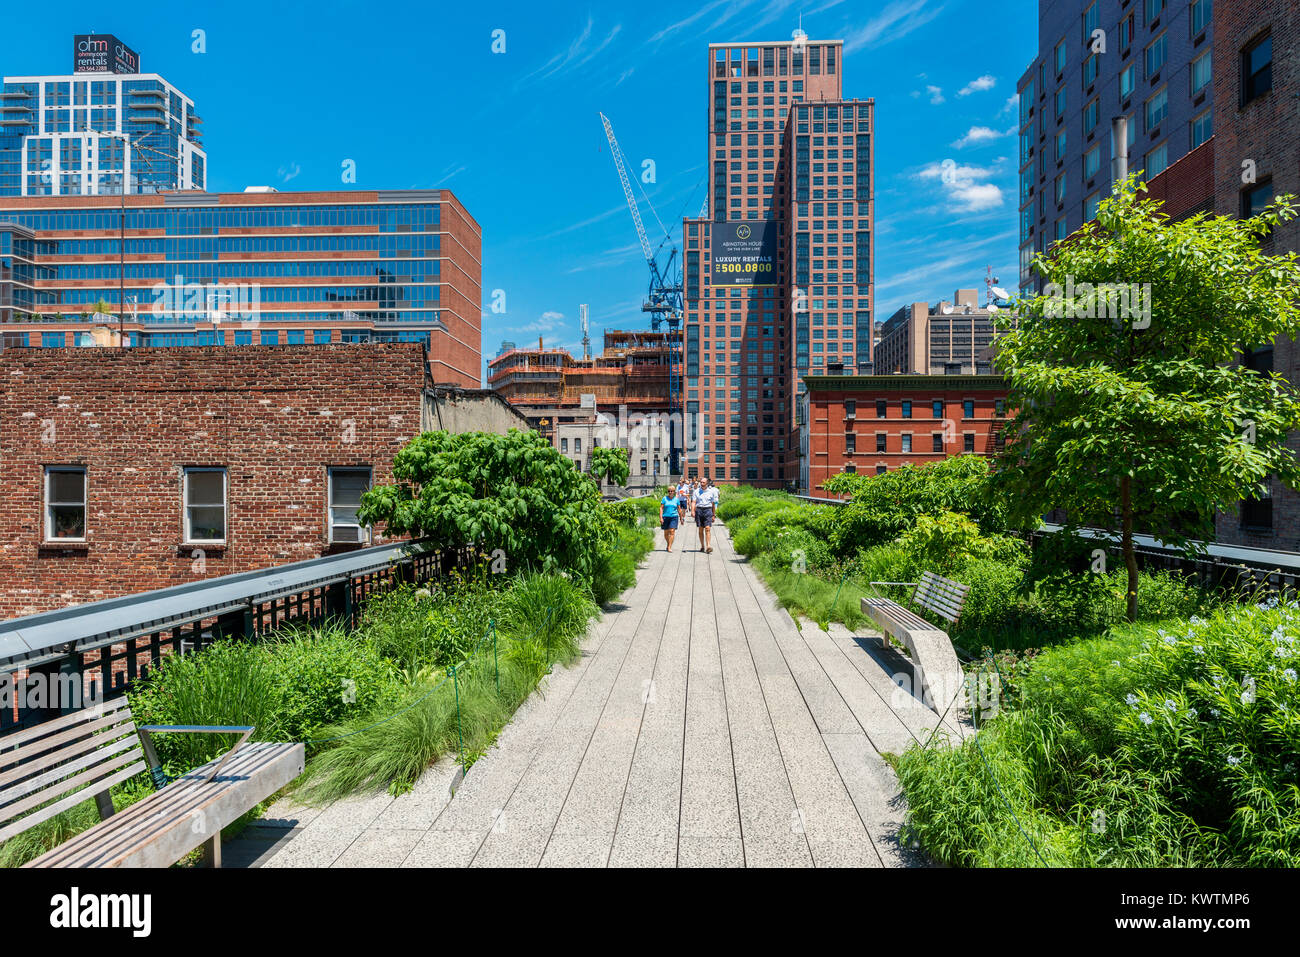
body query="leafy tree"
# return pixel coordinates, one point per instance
(1143, 413)
(511, 492)
(610, 464)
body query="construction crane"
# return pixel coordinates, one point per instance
(663, 298)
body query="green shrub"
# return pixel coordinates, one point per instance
(623, 513)
(948, 540)
(1173, 745)
(542, 620)
(885, 506)
(993, 601)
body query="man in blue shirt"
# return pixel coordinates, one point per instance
(668, 516)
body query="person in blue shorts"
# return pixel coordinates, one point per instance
(669, 516)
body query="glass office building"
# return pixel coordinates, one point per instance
(193, 269)
(97, 131)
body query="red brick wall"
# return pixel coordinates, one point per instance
(1267, 132)
(275, 417)
(829, 425)
(456, 356)
(1187, 186)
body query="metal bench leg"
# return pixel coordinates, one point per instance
(212, 851)
(104, 802)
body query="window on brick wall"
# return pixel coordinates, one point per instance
(1256, 69)
(1257, 512)
(346, 488)
(968, 442)
(936, 442)
(205, 505)
(65, 503)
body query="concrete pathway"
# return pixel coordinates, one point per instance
(700, 728)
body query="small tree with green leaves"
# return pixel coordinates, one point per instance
(509, 496)
(610, 465)
(1131, 402)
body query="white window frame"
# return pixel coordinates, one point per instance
(364, 532)
(186, 506)
(50, 504)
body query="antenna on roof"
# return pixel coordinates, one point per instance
(586, 338)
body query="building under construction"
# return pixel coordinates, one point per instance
(581, 403)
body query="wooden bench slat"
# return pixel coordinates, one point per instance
(45, 728)
(266, 768)
(52, 780)
(176, 802)
(72, 800)
(96, 734)
(79, 782)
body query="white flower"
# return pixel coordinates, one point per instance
(1132, 699)
(1171, 704)
(1199, 649)
(1192, 713)
(1214, 711)
(1145, 718)
(1195, 620)
(1279, 652)
(1170, 640)
(1234, 760)
(1248, 695)
(1289, 674)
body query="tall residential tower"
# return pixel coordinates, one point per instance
(88, 132)
(778, 279)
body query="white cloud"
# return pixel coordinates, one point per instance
(935, 94)
(978, 135)
(964, 186)
(985, 82)
(896, 21)
(1010, 105)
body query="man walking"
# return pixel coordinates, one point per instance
(706, 500)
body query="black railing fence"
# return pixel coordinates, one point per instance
(61, 661)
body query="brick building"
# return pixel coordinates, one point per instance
(877, 423)
(778, 277)
(1257, 157)
(238, 269)
(125, 470)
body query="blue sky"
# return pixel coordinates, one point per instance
(414, 94)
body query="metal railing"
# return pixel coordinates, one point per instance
(59, 661)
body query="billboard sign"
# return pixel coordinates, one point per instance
(102, 53)
(743, 253)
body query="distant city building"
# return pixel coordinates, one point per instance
(126, 470)
(949, 338)
(1151, 61)
(243, 269)
(877, 423)
(619, 397)
(778, 278)
(98, 129)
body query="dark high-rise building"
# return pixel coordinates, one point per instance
(1147, 60)
(778, 279)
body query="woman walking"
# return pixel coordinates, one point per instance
(668, 516)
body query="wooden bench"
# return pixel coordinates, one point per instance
(938, 672)
(57, 765)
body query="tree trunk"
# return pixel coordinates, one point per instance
(1126, 539)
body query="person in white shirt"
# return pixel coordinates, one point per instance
(706, 500)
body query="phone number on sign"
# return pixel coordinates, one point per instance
(743, 267)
